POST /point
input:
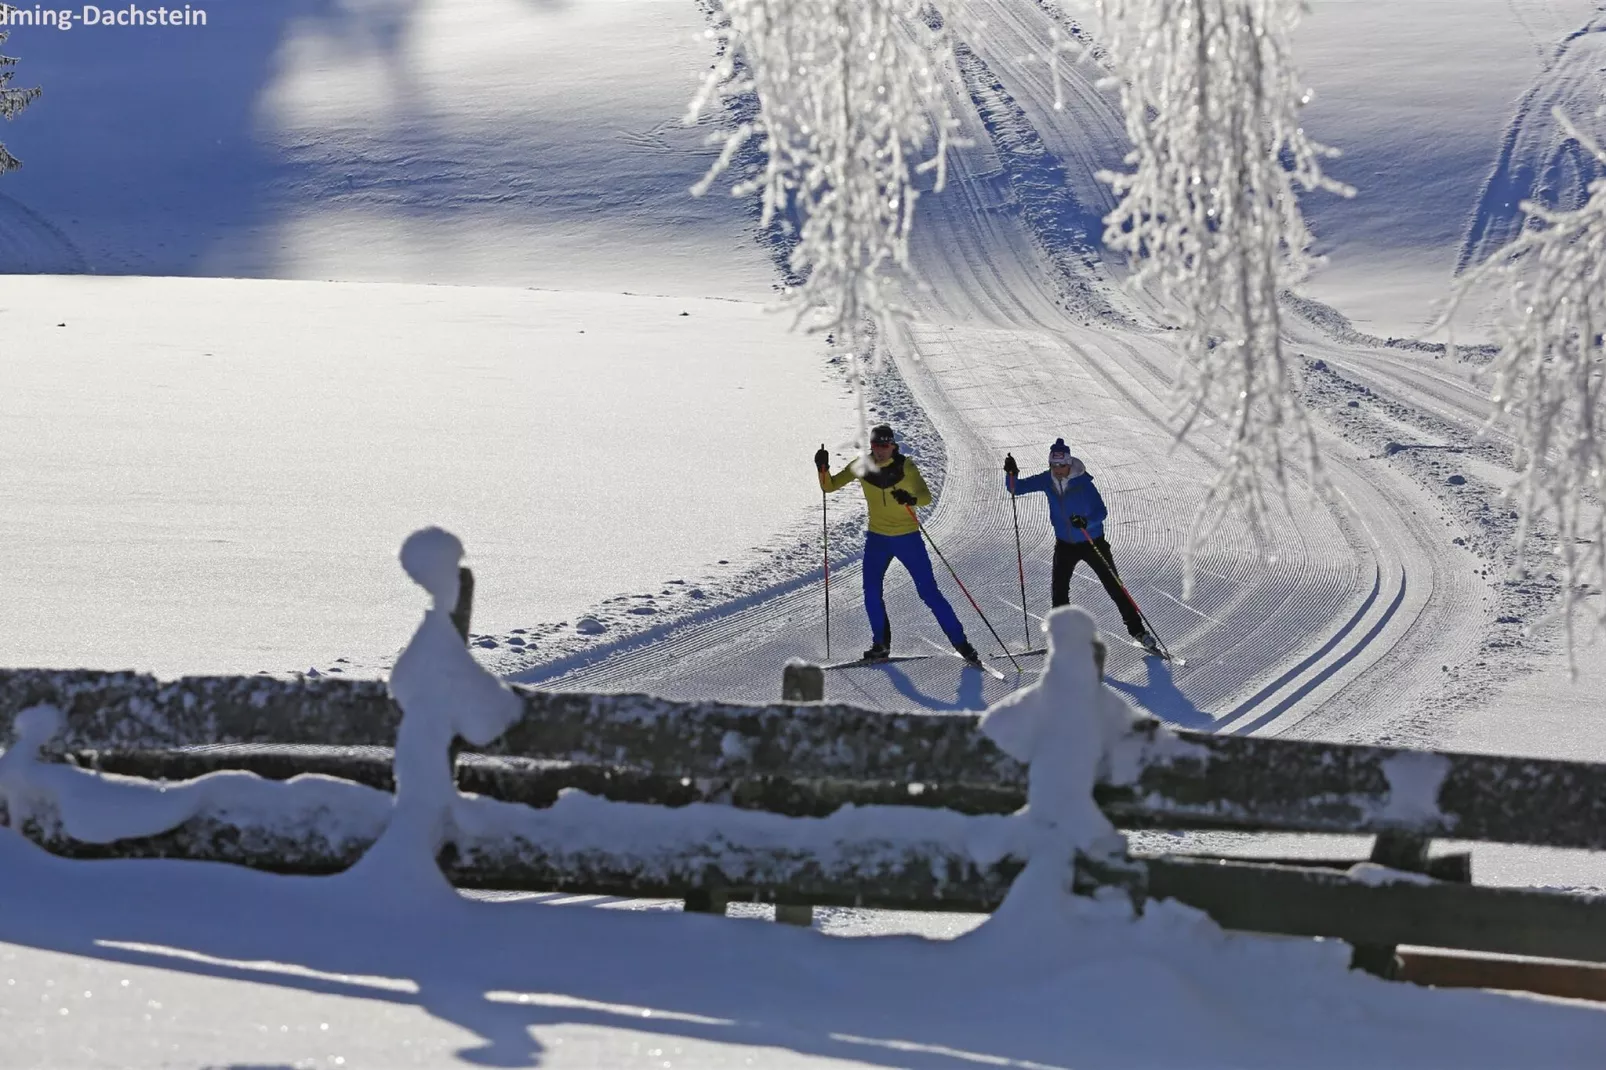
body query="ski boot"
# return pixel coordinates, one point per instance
(968, 652)
(878, 652)
(1150, 644)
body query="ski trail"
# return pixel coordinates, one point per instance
(1018, 341)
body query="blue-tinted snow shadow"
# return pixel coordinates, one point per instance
(494, 968)
(968, 693)
(143, 151)
(152, 150)
(1161, 696)
(504, 970)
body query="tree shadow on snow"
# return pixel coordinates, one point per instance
(155, 152)
(502, 970)
(505, 970)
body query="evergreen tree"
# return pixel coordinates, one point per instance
(12, 100)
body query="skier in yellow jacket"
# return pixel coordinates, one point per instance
(892, 489)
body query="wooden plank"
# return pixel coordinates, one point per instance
(913, 879)
(1564, 980)
(537, 782)
(1195, 780)
(1314, 902)
(1165, 779)
(1455, 866)
(714, 740)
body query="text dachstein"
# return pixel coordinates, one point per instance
(65, 18)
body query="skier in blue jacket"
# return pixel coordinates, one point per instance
(1077, 511)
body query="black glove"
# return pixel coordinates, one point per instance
(1079, 522)
(822, 459)
(902, 497)
(1010, 466)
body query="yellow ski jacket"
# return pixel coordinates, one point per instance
(887, 517)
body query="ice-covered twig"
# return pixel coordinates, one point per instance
(850, 97)
(1548, 378)
(1210, 217)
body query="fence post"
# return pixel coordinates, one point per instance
(705, 900)
(464, 609)
(802, 682)
(1409, 854)
(461, 615)
(801, 914)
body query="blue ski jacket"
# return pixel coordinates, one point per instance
(1081, 498)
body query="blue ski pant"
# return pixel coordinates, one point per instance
(879, 552)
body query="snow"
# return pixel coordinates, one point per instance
(361, 243)
(1374, 875)
(443, 694)
(195, 490)
(1414, 780)
(227, 966)
(523, 982)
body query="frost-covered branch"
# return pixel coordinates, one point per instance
(851, 108)
(1547, 377)
(12, 100)
(1210, 217)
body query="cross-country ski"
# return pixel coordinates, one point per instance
(889, 660)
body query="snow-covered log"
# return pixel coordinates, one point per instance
(127, 711)
(539, 782)
(1193, 780)
(811, 759)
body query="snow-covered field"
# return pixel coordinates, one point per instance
(361, 241)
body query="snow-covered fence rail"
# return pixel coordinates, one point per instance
(797, 803)
(809, 759)
(800, 759)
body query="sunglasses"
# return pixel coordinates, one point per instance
(881, 442)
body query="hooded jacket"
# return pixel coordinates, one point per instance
(887, 517)
(1081, 498)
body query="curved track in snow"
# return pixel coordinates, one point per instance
(1021, 339)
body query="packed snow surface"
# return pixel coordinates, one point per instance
(396, 263)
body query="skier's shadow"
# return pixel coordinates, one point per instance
(967, 696)
(1161, 696)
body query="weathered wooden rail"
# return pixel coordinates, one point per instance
(803, 758)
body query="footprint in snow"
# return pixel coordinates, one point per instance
(590, 626)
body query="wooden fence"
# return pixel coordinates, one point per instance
(803, 758)
(809, 759)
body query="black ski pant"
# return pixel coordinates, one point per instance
(1066, 557)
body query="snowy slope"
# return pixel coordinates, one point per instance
(1024, 338)
(390, 141)
(211, 475)
(169, 511)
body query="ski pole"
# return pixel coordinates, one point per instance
(957, 580)
(825, 549)
(1133, 602)
(1020, 567)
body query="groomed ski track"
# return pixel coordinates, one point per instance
(1342, 625)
